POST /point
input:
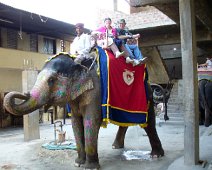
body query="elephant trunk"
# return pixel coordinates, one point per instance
(26, 103)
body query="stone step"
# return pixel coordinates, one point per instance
(178, 107)
(169, 123)
(174, 92)
(175, 114)
(171, 118)
(173, 106)
(174, 110)
(172, 115)
(174, 100)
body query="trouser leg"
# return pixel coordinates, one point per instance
(136, 51)
(114, 48)
(130, 54)
(79, 58)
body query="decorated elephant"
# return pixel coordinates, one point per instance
(63, 81)
(205, 102)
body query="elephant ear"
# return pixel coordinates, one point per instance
(80, 82)
(81, 86)
(76, 71)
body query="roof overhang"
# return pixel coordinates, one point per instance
(35, 24)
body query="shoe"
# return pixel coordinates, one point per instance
(118, 54)
(143, 60)
(129, 60)
(136, 62)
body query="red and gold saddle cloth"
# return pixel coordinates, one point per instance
(123, 90)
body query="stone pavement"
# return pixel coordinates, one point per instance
(19, 155)
(205, 150)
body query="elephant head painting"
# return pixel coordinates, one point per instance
(63, 81)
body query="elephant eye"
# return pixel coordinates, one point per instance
(51, 81)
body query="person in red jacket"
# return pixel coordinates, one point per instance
(107, 37)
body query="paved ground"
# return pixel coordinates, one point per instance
(15, 154)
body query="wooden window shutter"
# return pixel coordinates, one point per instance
(34, 42)
(12, 39)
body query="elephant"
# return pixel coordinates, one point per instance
(205, 102)
(62, 81)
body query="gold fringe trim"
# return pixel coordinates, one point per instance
(106, 121)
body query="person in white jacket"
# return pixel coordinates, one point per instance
(81, 45)
(207, 64)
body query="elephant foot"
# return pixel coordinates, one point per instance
(207, 122)
(92, 163)
(156, 153)
(80, 161)
(92, 166)
(117, 145)
(78, 165)
(201, 123)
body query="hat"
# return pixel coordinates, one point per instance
(122, 21)
(79, 25)
(107, 19)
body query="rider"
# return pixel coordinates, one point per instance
(81, 45)
(207, 64)
(107, 37)
(136, 56)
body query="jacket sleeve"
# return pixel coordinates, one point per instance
(115, 34)
(87, 45)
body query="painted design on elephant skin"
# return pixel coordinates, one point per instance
(60, 88)
(79, 87)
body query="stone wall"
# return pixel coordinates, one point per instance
(147, 17)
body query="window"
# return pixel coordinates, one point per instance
(49, 46)
(34, 42)
(12, 39)
(62, 46)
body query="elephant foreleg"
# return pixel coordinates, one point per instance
(78, 129)
(91, 130)
(120, 136)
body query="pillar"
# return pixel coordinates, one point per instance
(190, 82)
(31, 121)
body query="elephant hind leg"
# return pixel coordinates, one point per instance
(155, 143)
(120, 136)
(207, 118)
(201, 115)
(152, 134)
